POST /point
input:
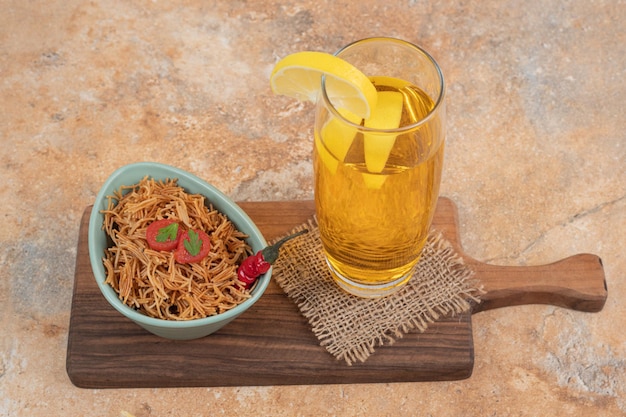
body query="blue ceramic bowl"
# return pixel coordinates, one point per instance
(179, 330)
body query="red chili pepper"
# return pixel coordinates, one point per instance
(256, 265)
(193, 246)
(163, 235)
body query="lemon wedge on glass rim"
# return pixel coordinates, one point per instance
(353, 94)
(299, 75)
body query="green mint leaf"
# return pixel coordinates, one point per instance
(193, 244)
(168, 232)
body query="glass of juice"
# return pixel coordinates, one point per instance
(377, 180)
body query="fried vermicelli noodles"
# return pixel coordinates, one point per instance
(151, 281)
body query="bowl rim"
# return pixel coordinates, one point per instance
(219, 200)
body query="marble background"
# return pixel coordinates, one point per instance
(536, 156)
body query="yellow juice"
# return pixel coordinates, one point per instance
(373, 218)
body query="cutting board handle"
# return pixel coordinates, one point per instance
(577, 283)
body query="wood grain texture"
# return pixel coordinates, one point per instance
(272, 343)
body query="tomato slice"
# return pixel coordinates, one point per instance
(193, 246)
(163, 235)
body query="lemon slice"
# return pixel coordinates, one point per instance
(327, 159)
(386, 115)
(374, 181)
(299, 75)
(338, 136)
(397, 83)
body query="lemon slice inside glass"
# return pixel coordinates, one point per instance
(386, 115)
(374, 181)
(326, 157)
(299, 75)
(338, 135)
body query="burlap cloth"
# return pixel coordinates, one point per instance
(350, 327)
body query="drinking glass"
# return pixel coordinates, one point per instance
(376, 188)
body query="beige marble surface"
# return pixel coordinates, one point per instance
(535, 161)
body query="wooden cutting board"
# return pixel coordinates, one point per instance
(272, 343)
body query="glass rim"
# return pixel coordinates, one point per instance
(438, 102)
